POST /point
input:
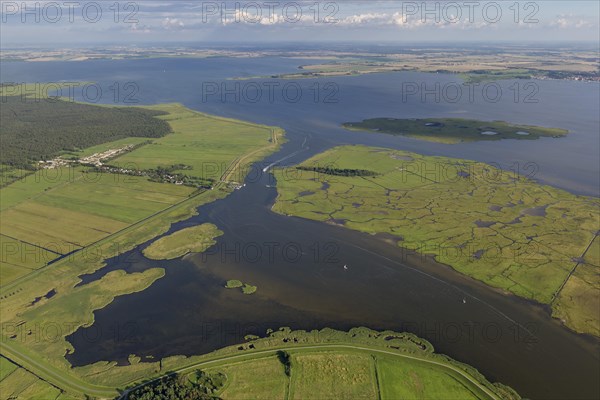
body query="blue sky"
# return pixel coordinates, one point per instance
(207, 22)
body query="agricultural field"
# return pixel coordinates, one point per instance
(116, 144)
(343, 374)
(189, 240)
(18, 258)
(331, 375)
(414, 380)
(9, 174)
(330, 364)
(244, 383)
(194, 144)
(44, 219)
(17, 383)
(61, 223)
(50, 213)
(495, 226)
(470, 66)
(453, 130)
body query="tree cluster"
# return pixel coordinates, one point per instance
(177, 387)
(40, 130)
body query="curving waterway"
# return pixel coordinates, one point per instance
(298, 265)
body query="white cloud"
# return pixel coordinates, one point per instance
(567, 21)
(139, 28)
(367, 18)
(172, 23)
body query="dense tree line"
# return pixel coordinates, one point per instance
(39, 130)
(178, 387)
(339, 171)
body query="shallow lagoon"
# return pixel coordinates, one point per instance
(189, 311)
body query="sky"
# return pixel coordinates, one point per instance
(204, 23)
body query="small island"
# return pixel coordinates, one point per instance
(454, 130)
(189, 240)
(246, 287)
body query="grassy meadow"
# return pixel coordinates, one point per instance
(343, 375)
(578, 303)
(86, 217)
(244, 383)
(362, 369)
(333, 375)
(9, 174)
(52, 212)
(414, 380)
(19, 384)
(208, 144)
(492, 225)
(189, 240)
(43, 220)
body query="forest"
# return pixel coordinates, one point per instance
(34, 130)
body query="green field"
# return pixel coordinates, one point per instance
(43, 219)
(495, 226)
(331, 376)
(87, 217)
(100, 215)
(9, 174)
(244, 383)
(329, 364)
(19, 258)
(62, 210)
(473, 77)
(17, 383)
(189, 240)
(116, 144)
(414, 380)
(194, 143)
(578, 302)
(345, 375)
(454, 130)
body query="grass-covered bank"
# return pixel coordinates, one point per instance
(498, 227)
(86, 216)
(331, 364)
(189, 240)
